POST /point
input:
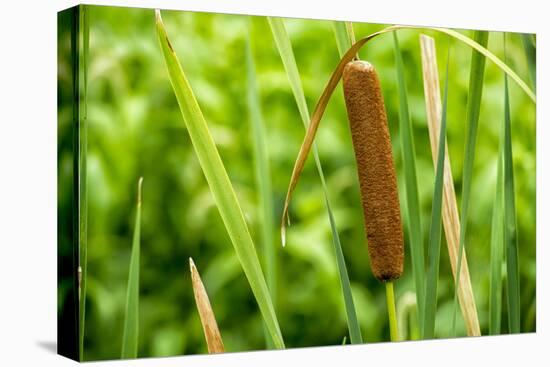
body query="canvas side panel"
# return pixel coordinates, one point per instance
(67, 183)
(82, 169)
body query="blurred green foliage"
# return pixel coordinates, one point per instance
(136, 129)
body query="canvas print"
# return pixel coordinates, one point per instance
(231, 183)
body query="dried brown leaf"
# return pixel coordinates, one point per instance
(208, 320)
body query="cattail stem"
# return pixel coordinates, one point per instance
(392, 315)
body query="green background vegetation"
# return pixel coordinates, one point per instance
(135, 129)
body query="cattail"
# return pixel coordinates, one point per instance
(377, 179)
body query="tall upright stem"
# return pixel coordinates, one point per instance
(390, 298)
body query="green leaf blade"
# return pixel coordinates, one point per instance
(434, 246)
(531, 56)
(131, 316)
(284, 47)
(219, 183)
(412, 200)
(473, 106)
(510, 221)
(343, 33)
(497, 249)
(263, 175)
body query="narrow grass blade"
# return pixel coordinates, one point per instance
(531, 55)
(287, 55)
(335, 79)
(284, 47)
(345, 37)
(83, 35)
(409, 166)
(263, 177)
(208, 320)
(510, 221)
(473, 106)
(219, 183)
(131, 314)
(434, 244)
(497, 251)
(451, 221)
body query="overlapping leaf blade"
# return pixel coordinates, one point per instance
(473, 106)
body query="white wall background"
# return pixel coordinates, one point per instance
(28, 182)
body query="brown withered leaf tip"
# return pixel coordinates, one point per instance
(208, 320)
(377, 178)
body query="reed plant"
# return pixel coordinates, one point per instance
(480, 53)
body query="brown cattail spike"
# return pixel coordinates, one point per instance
(377, 179)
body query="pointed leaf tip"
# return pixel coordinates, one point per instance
(210, 328)
(285, 222)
